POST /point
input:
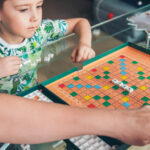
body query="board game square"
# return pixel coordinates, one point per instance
(76, 78)
(70, 86)
(91, 106)
(134, 62)
(79, 86)
(97, 97)
(125, 99)
(94, 70)
(124, 82)
(122, 56)
(125, 92)
(125, 104)
(140, 73)
(141, 77)
(110, 62)
(106, 77)
(124, 77)
(145, 99)
(89, 77)
(106, 72)
(106, 68)
(73, 94)
(122, 64)
(97, 77)
(106, 104)
(139, 68)
(134, 87)
(88, 86)
(97, 86)
(123, 72)
(106, 97)
(122, 60)
(148, 77)
(61, 85)
(123, 68)
(143, 87)
(87, 97)
(115, 87)
(146, 104)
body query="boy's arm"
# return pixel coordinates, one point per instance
(27, 121)
(82, 28)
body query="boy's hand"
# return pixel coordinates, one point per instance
(9, 65)
(82, 52)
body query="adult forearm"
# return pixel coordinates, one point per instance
(27, 121)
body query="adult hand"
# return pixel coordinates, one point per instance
(134, 126)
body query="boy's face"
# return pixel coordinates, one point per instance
(21, 17)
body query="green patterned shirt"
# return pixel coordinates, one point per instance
(30, 52)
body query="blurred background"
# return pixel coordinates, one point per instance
(94, 10)
(63, 9)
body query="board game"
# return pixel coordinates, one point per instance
(93, 86)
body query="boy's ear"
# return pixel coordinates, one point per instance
(0, 17)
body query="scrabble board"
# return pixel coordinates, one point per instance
(93, 87)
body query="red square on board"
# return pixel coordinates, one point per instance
(94, 70)
(61, 85)
(122, 56)
(91, 106)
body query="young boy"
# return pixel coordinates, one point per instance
(23, 32)
(38, 122)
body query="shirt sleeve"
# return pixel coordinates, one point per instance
(51, 30)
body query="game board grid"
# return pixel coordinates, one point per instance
(113, 71)
(88, 102)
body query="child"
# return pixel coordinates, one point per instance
(51, 121)
(23, 32)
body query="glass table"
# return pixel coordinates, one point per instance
(102, 41)
(56, 59)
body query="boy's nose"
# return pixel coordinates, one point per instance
(34, 16)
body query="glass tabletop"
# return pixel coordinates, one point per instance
(56, 56)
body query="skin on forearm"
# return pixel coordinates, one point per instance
(26, 121)
(82, 28)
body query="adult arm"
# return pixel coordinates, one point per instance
(27, 121)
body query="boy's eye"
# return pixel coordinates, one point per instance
(40, 6)
(23, 10)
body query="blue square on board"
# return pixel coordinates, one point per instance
(79, 86)
(70, 86)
